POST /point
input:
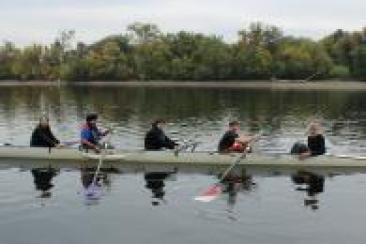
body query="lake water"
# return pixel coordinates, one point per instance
(147, 208)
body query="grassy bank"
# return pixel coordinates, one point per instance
(278, 85)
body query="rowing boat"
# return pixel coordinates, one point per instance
(20, 157)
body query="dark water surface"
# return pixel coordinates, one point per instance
(46, 206)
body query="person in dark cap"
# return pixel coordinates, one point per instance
(42, 135)
(90, 134)
(156, 139)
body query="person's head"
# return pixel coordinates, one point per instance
(315, 128)
(159, 123)
(44, 122)
(234, 126)
(91, 119)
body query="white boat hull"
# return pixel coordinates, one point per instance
(140, 159)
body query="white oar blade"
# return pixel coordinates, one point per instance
(210, 194)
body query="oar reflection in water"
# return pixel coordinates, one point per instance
(233, 185)
(42, 178)
(314, 185)
(97, 182)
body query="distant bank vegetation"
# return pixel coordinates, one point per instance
(143, 52)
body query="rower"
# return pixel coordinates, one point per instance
(155, 138)
(315, 142)
(42, 135)
(90, 134)
(232, 142)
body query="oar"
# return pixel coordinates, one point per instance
(215, 190)
(93, 191)
(185, 146)
(70, 143)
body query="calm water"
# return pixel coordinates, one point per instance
(152, 208)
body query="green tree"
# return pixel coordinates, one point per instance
(300, 59)
(142, 33)
(8, 54)
(27, 65)
(360, 62)
(108, 63)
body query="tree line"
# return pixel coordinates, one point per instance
(143, 52)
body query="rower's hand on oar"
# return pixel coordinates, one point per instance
(97, 150)
(305, 155)
(106, 132)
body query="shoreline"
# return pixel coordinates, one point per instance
(276, 85)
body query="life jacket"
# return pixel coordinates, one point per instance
(237, 147)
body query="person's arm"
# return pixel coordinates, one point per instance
(106, 132)
(305, 155)
(89, 144)
(102, 133)
(48, 137)
(54, 140)
(245, 139)
(169, 143)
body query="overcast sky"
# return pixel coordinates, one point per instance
(28, 21)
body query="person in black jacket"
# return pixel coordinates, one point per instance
(315, 143)
(42, 135)
(156, 139)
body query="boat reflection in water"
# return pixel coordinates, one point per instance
(312, 184)
(42, 178)
(155, 183)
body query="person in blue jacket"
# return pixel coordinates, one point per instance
(90, 134)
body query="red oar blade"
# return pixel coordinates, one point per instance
(210, 194)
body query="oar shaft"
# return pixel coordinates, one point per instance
(102, 153)
(98, 169)
(227, 171)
